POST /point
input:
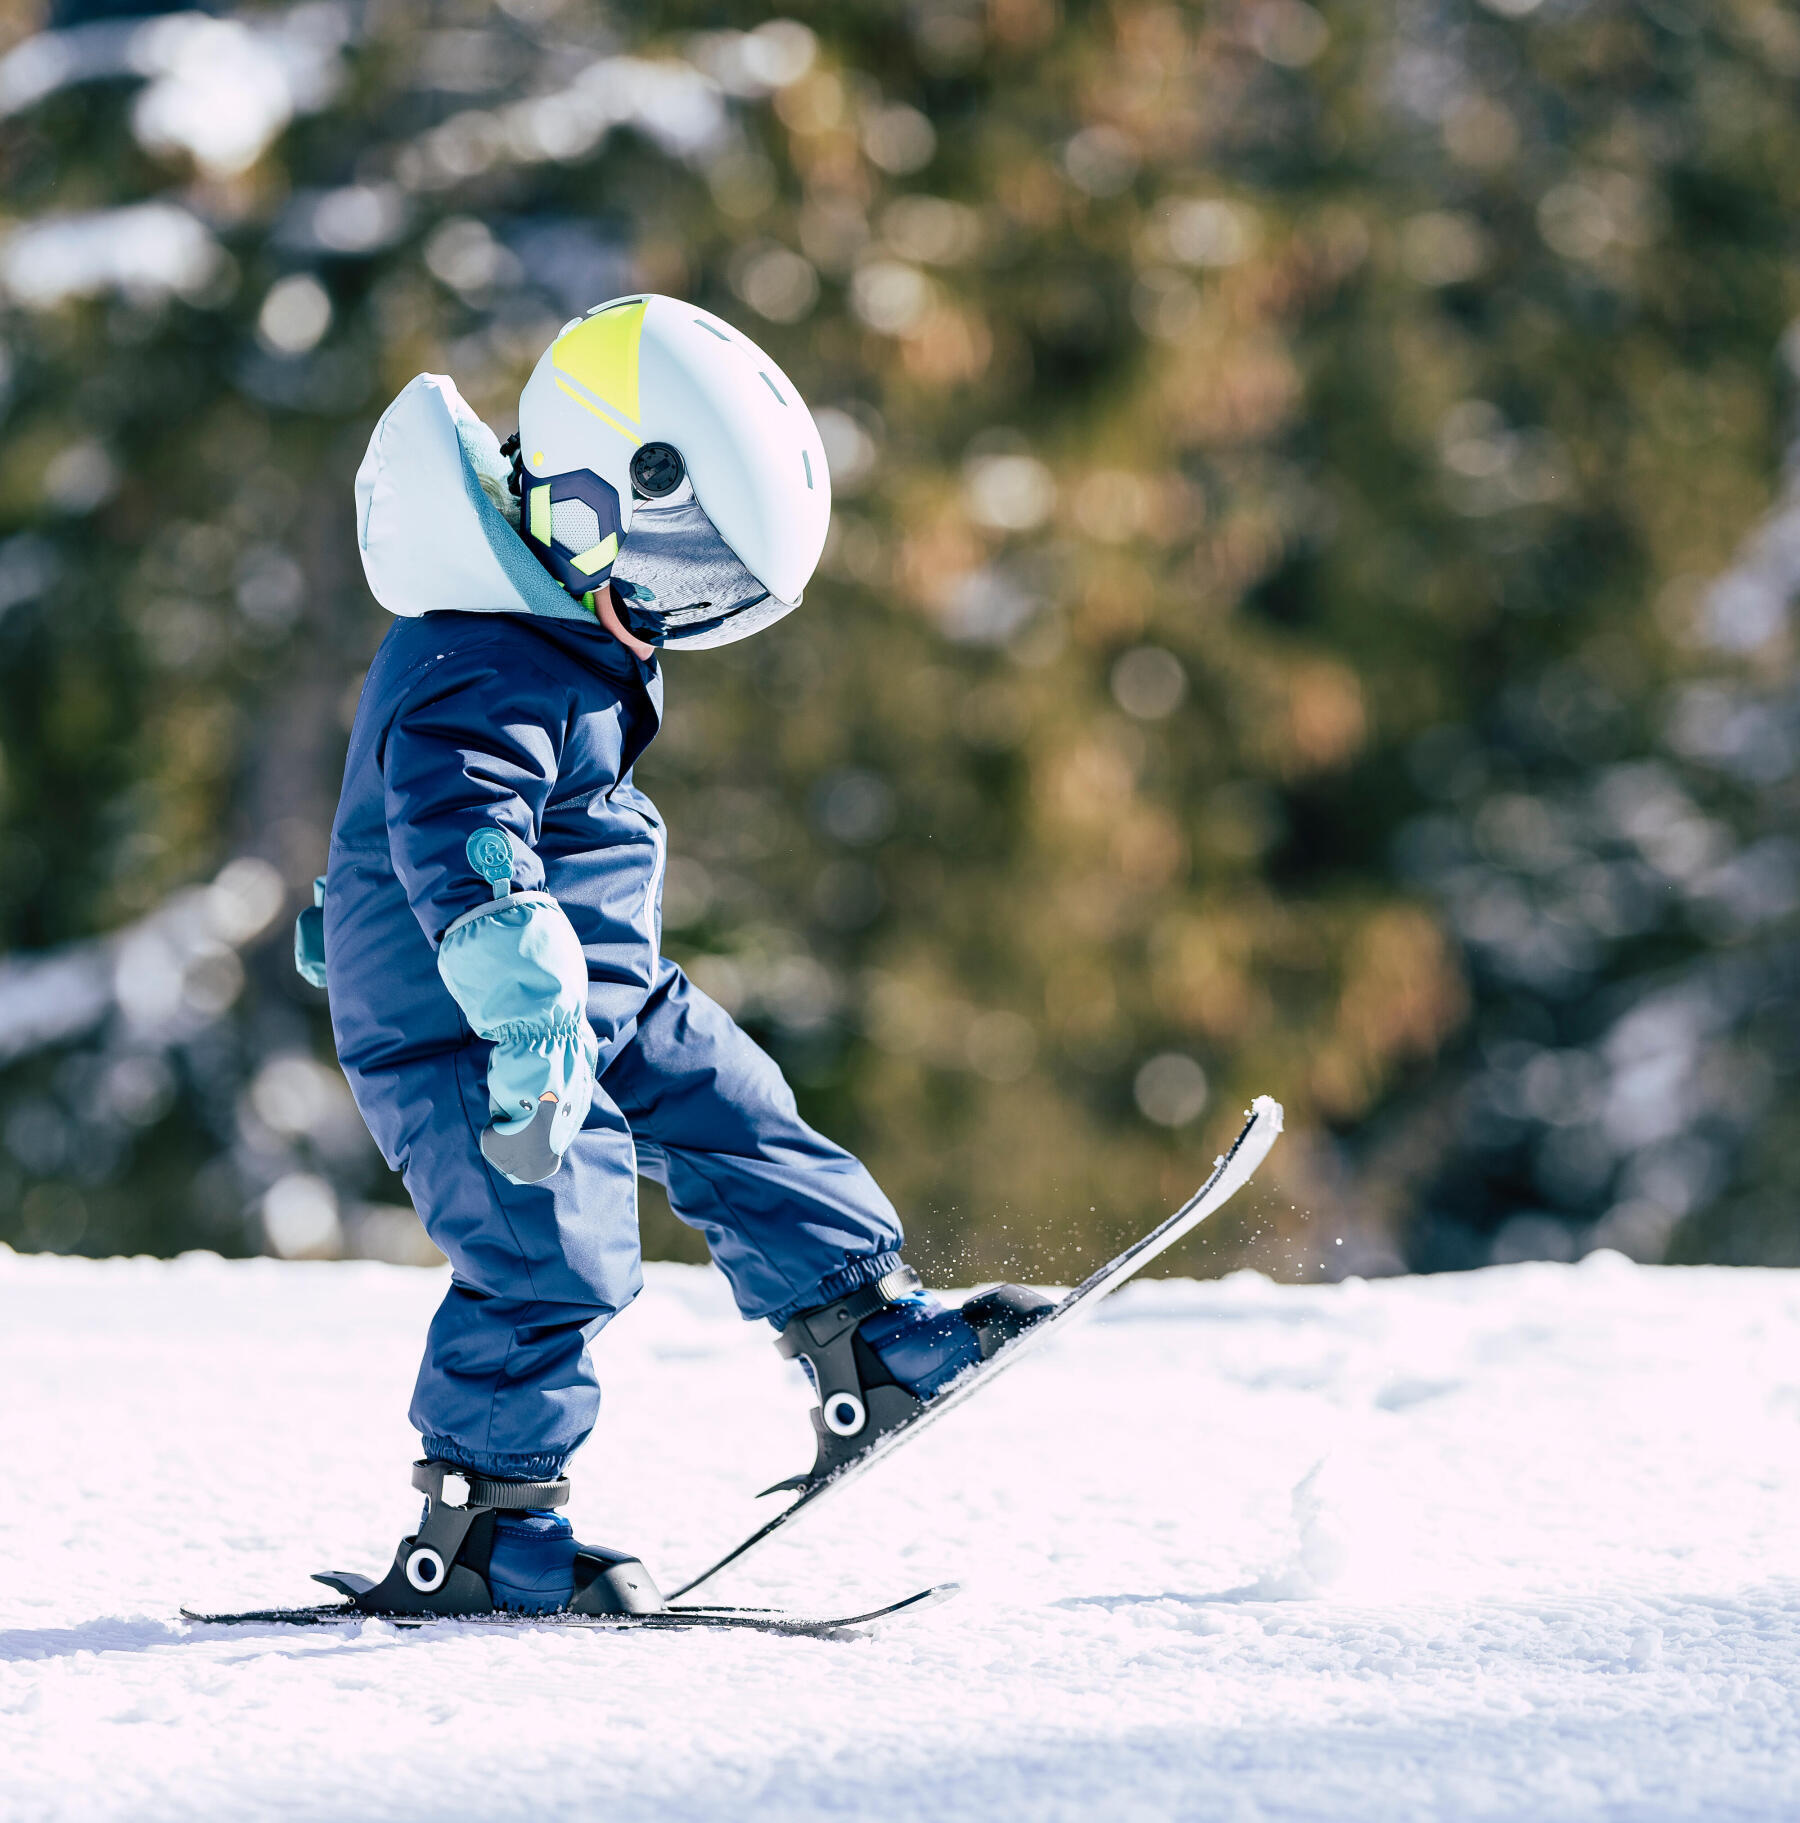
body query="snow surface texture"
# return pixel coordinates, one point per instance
(1522, 1544)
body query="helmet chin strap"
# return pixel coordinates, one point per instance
(509, 450)
(599, 601)
(607, 613)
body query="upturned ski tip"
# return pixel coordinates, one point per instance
(1263, 1108)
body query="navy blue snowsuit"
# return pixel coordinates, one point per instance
(471, 719)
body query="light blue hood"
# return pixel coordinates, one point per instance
(429, 531)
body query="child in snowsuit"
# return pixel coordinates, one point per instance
(516, 1040)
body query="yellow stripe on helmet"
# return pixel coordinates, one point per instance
(605, 417)
(600, 354)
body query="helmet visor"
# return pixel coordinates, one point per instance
(678, 583)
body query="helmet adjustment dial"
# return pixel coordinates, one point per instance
(657, 469)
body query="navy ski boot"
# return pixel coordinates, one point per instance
(498, 1547)
(531, 1564)
(878, 1354)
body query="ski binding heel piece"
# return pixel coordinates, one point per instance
(442, 1568)
(858, 1400)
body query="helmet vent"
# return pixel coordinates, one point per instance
(574, 525)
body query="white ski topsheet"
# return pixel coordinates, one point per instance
(1514, 1544)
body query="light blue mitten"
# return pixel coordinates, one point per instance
(516, 969)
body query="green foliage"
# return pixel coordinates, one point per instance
(1266, 641)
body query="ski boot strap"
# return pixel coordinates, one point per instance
(444, 1484)
(821, 1326)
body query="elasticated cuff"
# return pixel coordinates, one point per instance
(847, 1277)
(502, 1467)
(539, 1034)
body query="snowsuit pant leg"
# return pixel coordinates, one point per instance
(507, 1386)
(791, 1219)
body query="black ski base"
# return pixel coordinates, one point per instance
(755, 1620)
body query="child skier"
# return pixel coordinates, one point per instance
(516, 1040)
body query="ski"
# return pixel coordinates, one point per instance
(755, 1620)
(1262, 1127)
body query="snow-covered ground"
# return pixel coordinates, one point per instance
(1521, 1544)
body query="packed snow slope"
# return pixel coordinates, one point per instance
(1519, 1544)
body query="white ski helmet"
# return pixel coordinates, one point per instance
(664, 452)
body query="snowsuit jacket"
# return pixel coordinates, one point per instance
(529, 717)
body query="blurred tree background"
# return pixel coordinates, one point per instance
(1307, 609)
